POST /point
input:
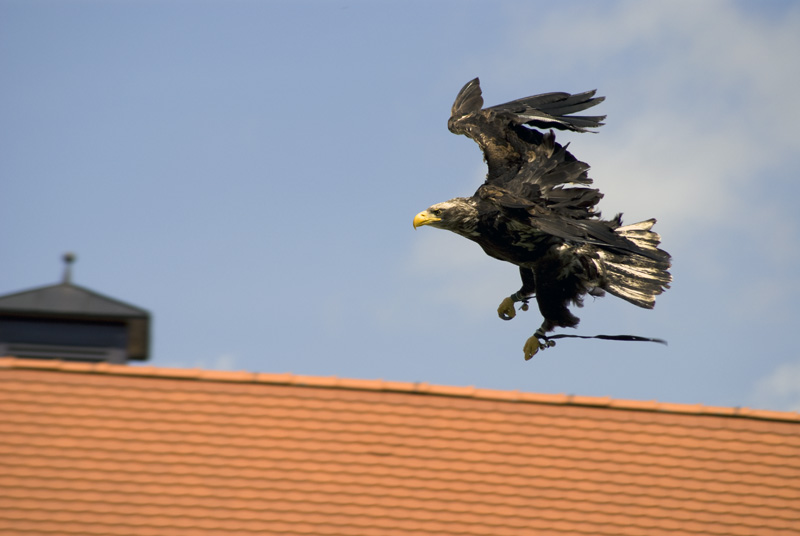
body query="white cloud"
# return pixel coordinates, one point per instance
(780, 389)
(668, 169)
(700, 111)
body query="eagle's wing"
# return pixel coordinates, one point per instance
(500, 132)
(531, 178)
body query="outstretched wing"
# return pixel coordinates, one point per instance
(532, 179)
(501, 131)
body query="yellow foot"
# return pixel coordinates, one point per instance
(506, 310)
(534, 344)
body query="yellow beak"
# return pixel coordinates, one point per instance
(424, 218)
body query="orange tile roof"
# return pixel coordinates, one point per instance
(91, 449)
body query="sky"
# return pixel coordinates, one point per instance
(248, 172)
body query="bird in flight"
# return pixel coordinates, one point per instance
(537, 210)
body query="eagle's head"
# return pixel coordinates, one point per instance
(459, 215)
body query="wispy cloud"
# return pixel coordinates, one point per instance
(780, 389)
(707, 118)
(700, 115)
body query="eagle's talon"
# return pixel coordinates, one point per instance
(538, 341)
(506, 310)
(533, 345)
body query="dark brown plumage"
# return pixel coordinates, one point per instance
(536, 210)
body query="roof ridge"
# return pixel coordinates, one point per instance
(420, 388)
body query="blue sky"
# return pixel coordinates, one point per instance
(248, 172)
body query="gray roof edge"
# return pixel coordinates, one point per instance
(91, 302)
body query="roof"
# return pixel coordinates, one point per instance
(67, 298)
(112, 449)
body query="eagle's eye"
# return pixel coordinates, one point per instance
(436, 212)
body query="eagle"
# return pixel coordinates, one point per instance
(537, 210)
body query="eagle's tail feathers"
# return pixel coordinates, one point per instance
(632, 277)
